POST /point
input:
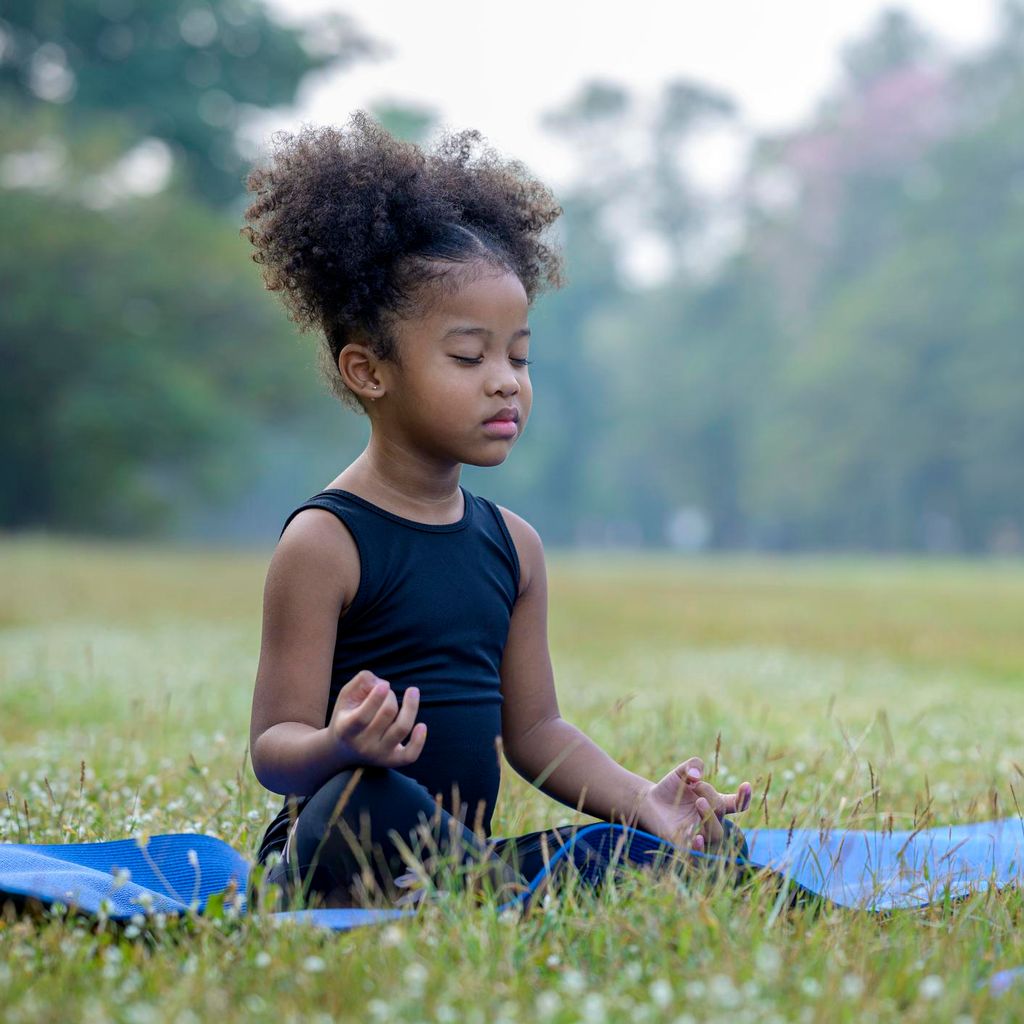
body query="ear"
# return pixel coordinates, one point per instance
(358, 368)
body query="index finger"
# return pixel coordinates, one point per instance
(711, 827)
(405, 718)
(738, 801)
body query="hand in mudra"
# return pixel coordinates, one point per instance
(370, 727)
(688, 811)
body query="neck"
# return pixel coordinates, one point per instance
(402, 477)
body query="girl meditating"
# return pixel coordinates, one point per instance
(404, 647)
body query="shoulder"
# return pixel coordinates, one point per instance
(529, 547)
(318, 549)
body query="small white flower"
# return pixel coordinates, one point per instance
(724, 992)
(262, 958)
(592, 1007)
(313, 964)
(661, 993)
(768, 960)
(416, 975)
(810, 987)
(379, 1010)
(931, 987)
(695, 990)
(574, 983)
(548, 1004)
(554, 960)
(852, 986)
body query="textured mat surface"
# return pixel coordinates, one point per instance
(874, 871)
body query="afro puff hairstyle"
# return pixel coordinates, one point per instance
(349, 224)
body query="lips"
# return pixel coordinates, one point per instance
(507, 415)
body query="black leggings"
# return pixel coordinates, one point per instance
(367, 827)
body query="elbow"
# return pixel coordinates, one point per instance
(263, 768)
(525, 749)
(259, 766)
(290, 761)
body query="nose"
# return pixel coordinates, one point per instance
(506, 384)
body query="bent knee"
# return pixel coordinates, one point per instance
(383, 794)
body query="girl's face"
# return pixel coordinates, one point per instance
(463, 363)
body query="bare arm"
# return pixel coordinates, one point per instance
(313, 573)
(559, 758)
(541, 745)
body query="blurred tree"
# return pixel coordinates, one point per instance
(850, 377)
(405, 121)
(691, 382)
(142, 356)
(908, 404)
(183, 73)
(676, 211)
(130, 381)
(894, 42)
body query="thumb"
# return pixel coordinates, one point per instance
(357, 688)
(691, 770)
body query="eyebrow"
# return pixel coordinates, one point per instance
(523, 332)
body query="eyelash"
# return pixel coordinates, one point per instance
(475, 362)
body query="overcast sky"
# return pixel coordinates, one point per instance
(498, 67)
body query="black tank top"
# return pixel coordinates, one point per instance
(432, 609)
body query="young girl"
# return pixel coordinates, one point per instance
(404, 639)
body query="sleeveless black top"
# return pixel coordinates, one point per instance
(432, 609)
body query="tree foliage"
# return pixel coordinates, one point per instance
(848, 376)
(185, 74)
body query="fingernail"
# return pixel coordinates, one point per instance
(694, 773)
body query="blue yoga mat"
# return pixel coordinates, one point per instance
(873, 871)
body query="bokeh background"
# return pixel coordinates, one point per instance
(792, 329)
(794, 243)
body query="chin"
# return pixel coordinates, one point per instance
(496, 458)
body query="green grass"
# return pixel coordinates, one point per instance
(125, 681)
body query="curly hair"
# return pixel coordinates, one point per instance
(350, 224)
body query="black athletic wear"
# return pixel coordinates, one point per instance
(432, 609)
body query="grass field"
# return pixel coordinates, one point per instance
(126, 681)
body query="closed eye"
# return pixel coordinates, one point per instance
(474, 361)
